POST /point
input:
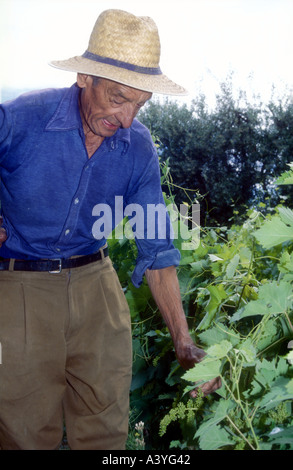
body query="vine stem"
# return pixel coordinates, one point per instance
(238, 400)
(240, 433)
(289, 321)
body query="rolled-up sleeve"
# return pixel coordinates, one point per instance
(163, 259)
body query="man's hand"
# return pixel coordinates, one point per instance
(188, 356)
(3, 234)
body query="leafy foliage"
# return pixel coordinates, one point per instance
(237, 295)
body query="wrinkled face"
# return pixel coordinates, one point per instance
(107, 105)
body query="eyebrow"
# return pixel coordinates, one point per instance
(119, 93)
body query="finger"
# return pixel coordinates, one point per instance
(207, 387)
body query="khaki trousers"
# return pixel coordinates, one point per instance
(66, 354)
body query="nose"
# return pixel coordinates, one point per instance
(126, 115)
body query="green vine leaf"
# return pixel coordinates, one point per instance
(280, 391)
(219, 350)
(273, 298)
(204, 371)
(211, 435)
(286, 177)
(275, 231)
(217, 297)
(215, 439)
(248, 351)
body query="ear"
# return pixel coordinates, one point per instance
(81, 80)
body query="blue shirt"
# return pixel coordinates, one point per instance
(52, 194)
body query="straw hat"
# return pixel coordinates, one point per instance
(126, 49)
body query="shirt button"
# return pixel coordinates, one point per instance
(76, 200)
(67, 231)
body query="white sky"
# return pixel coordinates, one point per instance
(202, 41)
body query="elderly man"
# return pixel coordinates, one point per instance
(64, 321)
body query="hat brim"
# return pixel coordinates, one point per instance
(151, 83)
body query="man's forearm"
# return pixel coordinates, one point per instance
(165, 290)
(164, 286)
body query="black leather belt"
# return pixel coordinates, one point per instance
(53, 265)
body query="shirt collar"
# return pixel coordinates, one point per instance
(67, 117)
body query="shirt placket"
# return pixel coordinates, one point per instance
(71, 222)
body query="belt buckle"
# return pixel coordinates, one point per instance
(58, 271)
